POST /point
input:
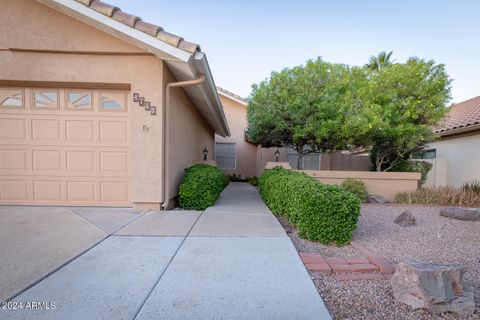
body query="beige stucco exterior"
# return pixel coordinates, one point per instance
(87, 55)
(246, 153)
(461, 159)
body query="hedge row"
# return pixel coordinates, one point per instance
(320, 212)
(201, 186)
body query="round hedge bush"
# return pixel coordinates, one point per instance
(320, 212)
(201, 186)
(357, 187)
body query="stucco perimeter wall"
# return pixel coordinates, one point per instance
(246, 153)
(189, 134)
(386, 184)
(462, 154)
(27, 24)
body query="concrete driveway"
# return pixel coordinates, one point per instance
(232, 261)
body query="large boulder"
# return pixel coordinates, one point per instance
(376, 198)
(406, 219)
(435, 287)
(467, 214)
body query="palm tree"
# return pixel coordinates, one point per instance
(380, 61)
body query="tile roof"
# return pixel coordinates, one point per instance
(231, 94)
(460, 117)
(137, 23)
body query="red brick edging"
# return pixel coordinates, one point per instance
(370, 268)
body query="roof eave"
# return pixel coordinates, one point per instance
(459, 131)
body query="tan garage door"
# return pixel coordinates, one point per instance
(64, 147)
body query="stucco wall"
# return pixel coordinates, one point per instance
(189, 134)
(462, 154)
(246, 153)
(386, 184)
(29, 25)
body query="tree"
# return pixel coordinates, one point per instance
(401, 104)
(379, 61)
(314, 105)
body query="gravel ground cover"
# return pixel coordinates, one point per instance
(434, 239)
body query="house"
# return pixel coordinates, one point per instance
(456, 155)
(98, 107)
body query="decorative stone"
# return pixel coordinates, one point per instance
(467, 214)
(375, 198)
(406, 219)
(435, 287)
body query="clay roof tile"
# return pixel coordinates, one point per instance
(125, 18)
(102, 7)
(460, 115)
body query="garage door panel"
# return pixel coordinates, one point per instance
(14, 190)
(81, 191)
(113, 191)
(13, 160)
(113, 132)
(81, 161)
(46, 160)
(43, 129)
(13, 130)
(47, 190)
(64, 147)
(79, 131)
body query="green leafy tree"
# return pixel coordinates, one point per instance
(401, 104)
(314, 105)
(379, 61)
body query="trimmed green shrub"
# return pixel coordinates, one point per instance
(201, 186)
(357, 187)
(320, 212)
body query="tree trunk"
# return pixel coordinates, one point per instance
(299, 157)
(378, 162)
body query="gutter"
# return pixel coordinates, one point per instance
(166, 136)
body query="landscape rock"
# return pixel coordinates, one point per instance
(467, 214)
(406, 219)
(375, 198)
(435, 287)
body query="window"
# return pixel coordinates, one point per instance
(225, 155)
(311, 161)
(79, 100)
(11, 98)
(425, 154)
(45, 99)
(115, 101)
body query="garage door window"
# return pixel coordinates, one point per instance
(11, 98)
(114, 101)
(45, 99)
(225, 155)
(79, 100)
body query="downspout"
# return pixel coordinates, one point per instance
(166, 136)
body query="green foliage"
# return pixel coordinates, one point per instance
(201, 186)
(401, 103)
(357, 187)
(473, 186)
(320, 212)
(253, 181)
(314, 105)
(414, 166)
(442, 196)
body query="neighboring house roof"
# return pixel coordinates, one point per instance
(461, 117)
(184, 59)
(232, 95)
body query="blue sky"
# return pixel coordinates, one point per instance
(246, 40)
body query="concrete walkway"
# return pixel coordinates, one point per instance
(232, 261)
